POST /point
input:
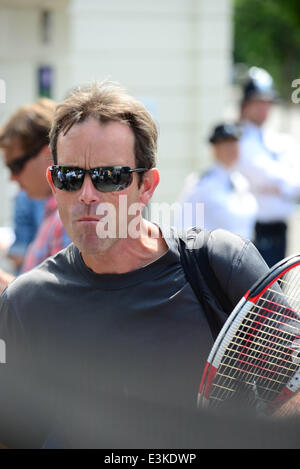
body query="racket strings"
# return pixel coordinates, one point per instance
(280, 314)
(262, 360)
(260, 352)
(263, 372)
(288, 285)
(267, 354)
(266, 337)
(252, 366)
(289, 288)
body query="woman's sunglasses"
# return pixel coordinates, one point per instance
(104, 179)
(16, 166)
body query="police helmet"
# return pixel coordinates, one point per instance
(224, 132)
(259, 85)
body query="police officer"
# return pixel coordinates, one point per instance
(223, 190)
(271, 163)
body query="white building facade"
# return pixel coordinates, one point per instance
(174, 55)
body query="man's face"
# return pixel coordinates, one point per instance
(257, 110)
(32, 177)
(227, 152)
(90, 145)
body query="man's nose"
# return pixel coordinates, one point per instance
(88, 193)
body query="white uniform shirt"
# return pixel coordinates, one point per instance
(228, 204)
(271, 163)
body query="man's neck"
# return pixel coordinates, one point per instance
(129, 254)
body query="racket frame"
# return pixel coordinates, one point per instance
(233, 323)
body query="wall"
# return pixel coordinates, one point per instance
(23, 49)
(174, 55)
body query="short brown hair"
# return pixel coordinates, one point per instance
(29, 125)
(107, 101)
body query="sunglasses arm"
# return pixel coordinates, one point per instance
(49, 179)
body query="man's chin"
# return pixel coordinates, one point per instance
(92, 245)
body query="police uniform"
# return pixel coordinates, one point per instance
(272, 166)
(224, 193)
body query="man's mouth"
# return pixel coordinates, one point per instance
(88, 219)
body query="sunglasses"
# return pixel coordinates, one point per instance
(104, 179)
(16, 166)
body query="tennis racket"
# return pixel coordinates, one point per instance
(256, 356)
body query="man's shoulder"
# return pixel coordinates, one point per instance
(217, 238)
(226, 243)
(235, 261)
(51, 270)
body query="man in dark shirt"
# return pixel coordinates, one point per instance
(106, 341)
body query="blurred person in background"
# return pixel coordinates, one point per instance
(271, 162)
(223, 190)
(24, 141)
(27, 217)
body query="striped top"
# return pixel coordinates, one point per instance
(50, 238)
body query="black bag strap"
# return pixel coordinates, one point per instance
(201, 254)
(195, 262)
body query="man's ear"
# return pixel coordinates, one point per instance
(150, 181)
(50, 182)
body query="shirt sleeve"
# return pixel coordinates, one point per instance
(23, 224)
(236, 263)
(266, 174)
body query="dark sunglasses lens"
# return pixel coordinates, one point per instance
(67, 179)
(109, 179)
(112, 179)
(16, 167)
